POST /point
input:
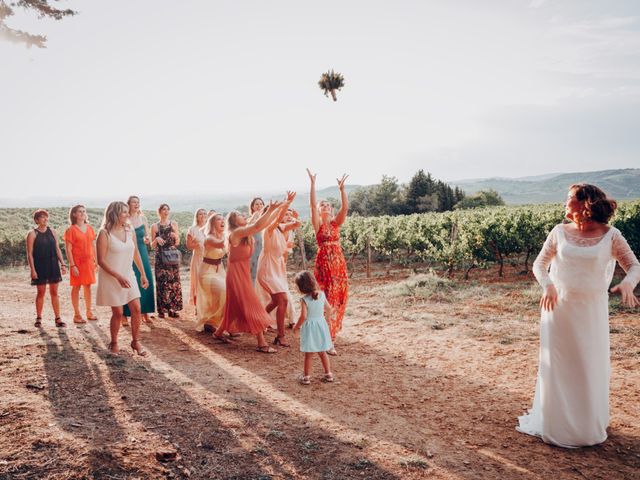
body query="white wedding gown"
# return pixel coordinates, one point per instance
(571, 401)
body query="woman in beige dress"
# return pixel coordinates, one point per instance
(195, 243)
(117, 285)
(272, 271)
(211, 277)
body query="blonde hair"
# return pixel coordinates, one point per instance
(232, 224)
(72, 213)
(195, 216)
(111, 214)
(208, 229)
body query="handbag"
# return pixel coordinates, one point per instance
(171, 256)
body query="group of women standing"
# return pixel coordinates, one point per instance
(241, 299)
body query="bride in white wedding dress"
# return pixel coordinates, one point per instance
(571, 401)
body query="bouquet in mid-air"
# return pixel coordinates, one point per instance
(330, 82)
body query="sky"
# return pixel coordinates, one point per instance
(221, 96)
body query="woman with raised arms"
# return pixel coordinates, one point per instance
(272, 271)
(243, 312)
(330, 266)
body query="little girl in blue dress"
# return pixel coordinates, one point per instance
(314, 330)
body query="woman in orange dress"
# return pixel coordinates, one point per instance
(330, 265)
(79, 241)
(243, 312)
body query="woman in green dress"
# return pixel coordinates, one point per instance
(140, 224)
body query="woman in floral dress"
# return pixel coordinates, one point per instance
(330, 265)
(165, 235)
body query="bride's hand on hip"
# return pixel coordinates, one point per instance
(626, 292)
(549, 298)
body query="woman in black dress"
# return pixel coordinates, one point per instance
(165, 236)
(46, 263)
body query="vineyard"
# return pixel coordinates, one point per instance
(465, 239)
(450, 241)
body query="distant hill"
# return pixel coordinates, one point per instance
(179, 203)
(621, 184)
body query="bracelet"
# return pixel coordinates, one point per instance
(71, 266)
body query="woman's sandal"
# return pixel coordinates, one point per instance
(332, 351)
(91, 316)
(279, 341)
(266, 349)
(328, 377)
(125, 322)
(305, 380)
(38, 323)
(113, 349)
(222, 339)
(60, 323)
(78, 319)
(139, 350)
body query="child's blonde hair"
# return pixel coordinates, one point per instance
(307, 284)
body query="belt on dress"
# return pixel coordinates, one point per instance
(213, 261)
(330, 242)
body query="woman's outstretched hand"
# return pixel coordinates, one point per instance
(549, 298)
(290, 197)
(273, 204)
(341, 181)
(626, 291)
(312, 176)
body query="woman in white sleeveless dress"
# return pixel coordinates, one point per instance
(212, 287)
(195, 243)
(117, 284)
(571, 401)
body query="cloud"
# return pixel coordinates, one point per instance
(537, 3)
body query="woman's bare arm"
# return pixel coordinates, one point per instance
(344, 201)
(313, 202)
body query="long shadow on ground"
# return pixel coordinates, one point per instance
(256, 446)
(453, 417)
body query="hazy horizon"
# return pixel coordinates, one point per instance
(223, 96)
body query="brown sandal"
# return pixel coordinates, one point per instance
(60, 323)
(279, 341)
(222, 339)
(38, 323)
(266, 349)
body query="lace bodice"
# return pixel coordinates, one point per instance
(586, 264)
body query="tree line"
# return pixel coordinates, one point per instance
(422, 194)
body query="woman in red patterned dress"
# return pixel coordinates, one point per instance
(330, 265)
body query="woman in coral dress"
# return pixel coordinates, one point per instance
(195, 243)
(330, 266)
(571, 400)
(212, 287)
(81, 253)
(243, 312)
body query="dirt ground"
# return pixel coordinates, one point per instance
(429, 385)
